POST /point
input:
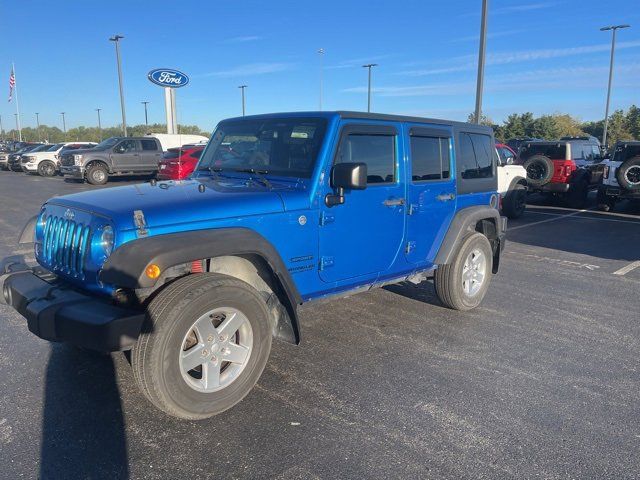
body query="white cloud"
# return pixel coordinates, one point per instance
(357, 62)
(469, 62)
(525, 7)
(247, 38)
(249, 69)
(475, 38)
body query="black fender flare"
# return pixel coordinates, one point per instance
(127, 264)
(463, 223)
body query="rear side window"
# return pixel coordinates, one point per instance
(554, 152)
(476, 156)
(429, 158)
(149, 145)
(377, 151)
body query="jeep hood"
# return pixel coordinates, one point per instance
(167, 203)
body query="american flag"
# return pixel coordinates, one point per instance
(12, 84)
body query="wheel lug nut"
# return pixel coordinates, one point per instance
(210, 338)
(222, 338)
(205, 353)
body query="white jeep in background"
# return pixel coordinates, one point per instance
(620, 176)
(46, 163)
(512, 183)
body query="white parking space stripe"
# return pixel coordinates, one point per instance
(557, 217)
(628, 268)
(532, 208)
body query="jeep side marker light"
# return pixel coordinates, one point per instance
(152, 271)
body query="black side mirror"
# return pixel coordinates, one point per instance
(346, 176)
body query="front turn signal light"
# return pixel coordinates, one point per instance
(152, 271)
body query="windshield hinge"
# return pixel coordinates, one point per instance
(326, 262)
(326, 218)
(140, 223)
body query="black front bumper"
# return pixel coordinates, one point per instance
(58, 313)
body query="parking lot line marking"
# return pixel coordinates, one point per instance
(589, 218)
(628, 268)
(556, 215)
(531, 208)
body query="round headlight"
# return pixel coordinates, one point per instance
(106, 240)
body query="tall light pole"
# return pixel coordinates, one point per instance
(242, 87)
(321, 54)
(64, 125)
(18, 126)
(1, 129)
(116, 39)
(99, 124)
(481, 55)
(369, 66)
(38, 124)
(614, 28)
(146, 119)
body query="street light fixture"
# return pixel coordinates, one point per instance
(481, 55)
(64, 125)
(146, 120)
(116, 39)
(242, 87)
(614, 28)
(369, 66)
(99, 124)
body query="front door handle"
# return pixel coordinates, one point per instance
(393, 202)
(445, 197)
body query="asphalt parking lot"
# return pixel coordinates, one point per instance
(541, 381)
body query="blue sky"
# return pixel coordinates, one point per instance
(543, 56)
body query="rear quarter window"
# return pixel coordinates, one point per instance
(476, 160)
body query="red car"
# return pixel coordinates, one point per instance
(179, 163)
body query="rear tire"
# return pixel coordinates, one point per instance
(198, 314)
(46, 169)
(515, 202)
(97, 174)
(462, 285)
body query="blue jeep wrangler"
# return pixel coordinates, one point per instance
(196, 277)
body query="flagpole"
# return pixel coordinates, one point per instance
(15, 90)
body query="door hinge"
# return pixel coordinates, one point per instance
(326, 218)
(326, 262)
(412, 209)
(410, 247)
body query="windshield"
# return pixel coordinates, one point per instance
(621, 154)
(39, 148)
(555, 151)
(281, 146)
(53, 148)
(108, 143)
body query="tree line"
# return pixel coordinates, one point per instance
(94, 134)
(623, 125)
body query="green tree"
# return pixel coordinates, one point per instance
(568, 126)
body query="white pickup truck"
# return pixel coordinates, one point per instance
(512, 183)
(47, 162)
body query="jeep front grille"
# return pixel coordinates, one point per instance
(65, 244)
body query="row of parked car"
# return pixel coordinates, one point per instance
(167, 156)
(570, 168)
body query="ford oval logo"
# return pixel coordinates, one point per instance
(168, 77)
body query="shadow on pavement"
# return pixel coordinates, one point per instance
(83, 432)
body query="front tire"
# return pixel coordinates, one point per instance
(578, 194)
(46, 169)
(462, 285)
(515, 202)
(604, 201)
(206, 342)
(97, 174)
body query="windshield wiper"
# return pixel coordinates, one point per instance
(259, 173)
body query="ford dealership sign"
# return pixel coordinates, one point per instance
(168, 77)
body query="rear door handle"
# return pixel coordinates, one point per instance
(445, 197)
(393, 202)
